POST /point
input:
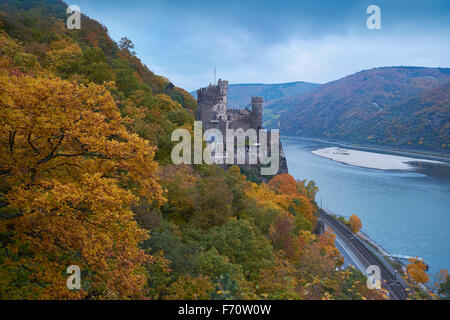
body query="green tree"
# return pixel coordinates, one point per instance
(243, 244)
(444, 289)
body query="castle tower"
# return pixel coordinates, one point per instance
(257, 103)
(223, 85)
(212, 104)
(223, 99)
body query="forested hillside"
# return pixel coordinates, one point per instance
(421, 121)
(86, 179)
(397, 106)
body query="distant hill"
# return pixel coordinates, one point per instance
(239, 95)
(400, 106)
(423, 120)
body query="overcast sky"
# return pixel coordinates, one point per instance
(262, 41)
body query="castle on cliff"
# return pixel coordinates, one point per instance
(213, 112)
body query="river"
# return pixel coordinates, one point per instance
(406, 212)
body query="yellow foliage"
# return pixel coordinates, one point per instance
(355, 223)
(416, 270)
(190, 288)
(265, 197)
(66, 160)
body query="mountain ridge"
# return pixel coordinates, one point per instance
(239, 94)
(344, 108)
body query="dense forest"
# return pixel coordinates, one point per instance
(86, 179)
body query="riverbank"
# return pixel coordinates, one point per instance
(370, 160)
(426, 154)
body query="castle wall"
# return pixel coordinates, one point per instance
(239, 119)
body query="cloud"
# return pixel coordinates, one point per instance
(275, 41)
(321, 60)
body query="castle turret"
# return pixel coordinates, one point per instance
(223, 87)
(212, 103)
(257, 103)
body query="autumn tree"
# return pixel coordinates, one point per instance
(282, 234)
(417, 270)
(70, 172)
(14, 58)
(280, 281)
(312, 190)
(190, 288)
(126, 44)
(285, 184)
(355, 223)
(64, 58)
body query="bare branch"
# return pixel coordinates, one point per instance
(36, 150)
(12, 136)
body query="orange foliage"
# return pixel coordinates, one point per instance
(326, 244)
(355, 223)
(416, 270)
(284, 184)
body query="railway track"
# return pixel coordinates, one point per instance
(390, 281)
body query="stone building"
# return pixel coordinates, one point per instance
(212, 109)
(214, 114)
